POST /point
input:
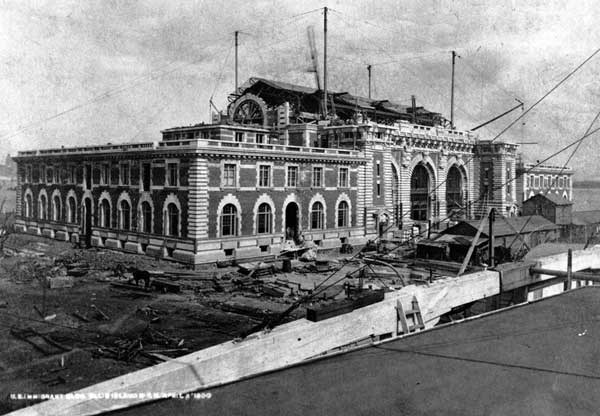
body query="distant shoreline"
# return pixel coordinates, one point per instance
(586, 184)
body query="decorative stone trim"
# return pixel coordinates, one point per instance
(229, 199)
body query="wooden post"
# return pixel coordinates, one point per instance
(491, 237)
(325, 61)
(236, 61)
(471, 248)
(452, 92)
(567, 285)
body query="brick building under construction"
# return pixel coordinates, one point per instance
(272, 170)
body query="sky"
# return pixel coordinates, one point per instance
(80, 73)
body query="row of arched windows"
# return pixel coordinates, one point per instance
(229, 225)
(53, 212)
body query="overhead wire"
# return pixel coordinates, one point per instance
(488, 362)
(500, 186)
(523, 114)
(221, 71)
(517, 176)
(320, 288)
(554, 179)
(564, 79)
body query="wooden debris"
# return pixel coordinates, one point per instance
(256, 269)
(272, 290)
(246, 310)
(38, 311)
(165, 286)
(54, 381)
(59, 282)
(80, 317)
(128, 286)
(42, 343)
(99, 312)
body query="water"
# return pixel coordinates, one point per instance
(586, 199)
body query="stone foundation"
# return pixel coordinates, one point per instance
(208, 251)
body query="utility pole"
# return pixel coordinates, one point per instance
(325, 59)
(369, 69)
(236, 61)
(452, 92)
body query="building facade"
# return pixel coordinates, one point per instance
(273, 170)
(541, 179)
(496, 177)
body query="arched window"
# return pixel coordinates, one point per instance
(229, 221)
(72, 210)
(316, 216)
(172, 225)
(105, 214)
(419, 194)
(455, 200)
(264, 219)
(56, 208)
(146, 217)
(124, 215)
(28, 206)
(343, 214)
(43, 208)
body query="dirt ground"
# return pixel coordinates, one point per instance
(107, 331)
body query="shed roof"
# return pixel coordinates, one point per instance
(552, 197)
(505, 226)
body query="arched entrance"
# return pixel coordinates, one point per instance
(420, 202)
(455, 195)
(86, 222)
(292, 223)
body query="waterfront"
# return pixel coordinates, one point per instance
(586, 199)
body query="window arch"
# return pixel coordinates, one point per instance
(455, 192)
(43, 207)
(28, 207)
(420, 200)
(316, 216)
(146, 217)
(343, 212)
(104, 213)
(124, 215)
(56, 208)
(72, 210)
(229, 221)
(172, 220)
(264, 219)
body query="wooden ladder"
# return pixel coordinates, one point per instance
(410, 320)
